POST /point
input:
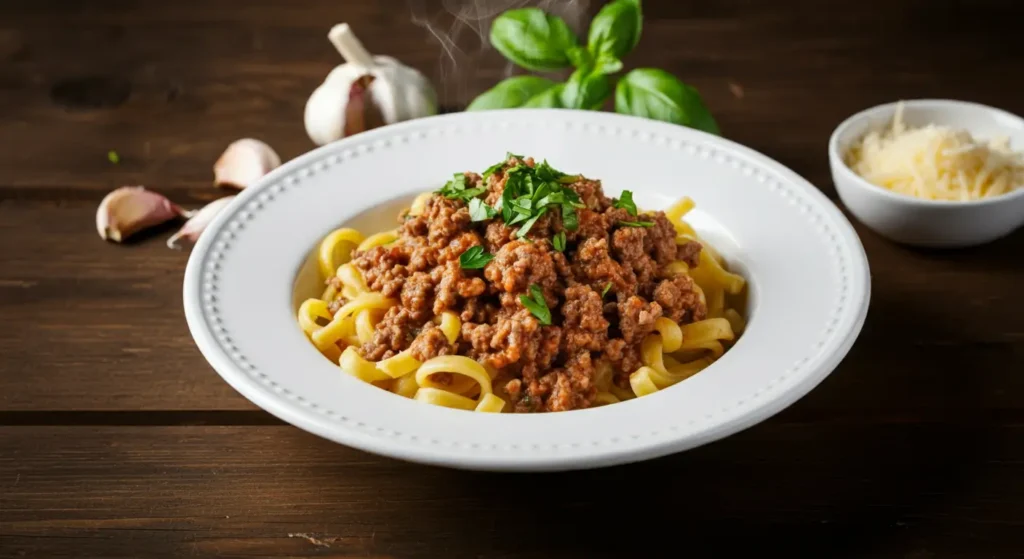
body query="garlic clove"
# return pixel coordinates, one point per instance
(189, 233)
(362, 112)
(398, 92)
(244, 162)
(130, 209)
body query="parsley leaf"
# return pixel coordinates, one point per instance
(479, 211)
(474, 258)
(536, 304)
(625, 202)
(558, 241)
(494, 168)
(546, 172)
(525, 228)
(113, 157)
(637, 223)
(607, 287)
(532, 191)
(569, 219)
(455, 189)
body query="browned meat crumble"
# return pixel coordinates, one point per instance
(604, 291)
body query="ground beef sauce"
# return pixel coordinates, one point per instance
(604, 291)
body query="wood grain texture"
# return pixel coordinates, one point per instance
(118, 440)
(822, 489)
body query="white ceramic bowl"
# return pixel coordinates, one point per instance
(807, 273)
(928, 223)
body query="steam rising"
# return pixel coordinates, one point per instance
(468, 64)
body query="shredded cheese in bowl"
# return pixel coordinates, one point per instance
(936, 162)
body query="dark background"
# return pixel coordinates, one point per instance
(118, 440)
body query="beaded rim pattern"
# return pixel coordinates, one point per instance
(206, 263)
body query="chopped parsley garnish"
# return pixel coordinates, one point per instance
(530, 192)
(625, 202)
(607, 287)
(529, 223)
(455, 189)
(479, 211)
(637, 223)
(493, 169)
(558, 241)
(113, 157)
(474, 258)
(548, 173)
(536, 304)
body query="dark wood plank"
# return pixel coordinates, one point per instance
(202, 73)
(808, 490)
(95, 325)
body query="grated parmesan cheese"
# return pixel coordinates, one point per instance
(936, 162)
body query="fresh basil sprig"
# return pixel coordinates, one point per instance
(615, 30)
(658, 95)
(542, 42)
(511, 93)
(533, 39)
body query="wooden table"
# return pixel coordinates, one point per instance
(118, 440)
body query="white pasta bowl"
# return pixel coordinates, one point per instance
(916, 221)
(806, 272)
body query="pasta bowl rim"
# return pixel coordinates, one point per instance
(652, 426)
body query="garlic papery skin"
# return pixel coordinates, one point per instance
(397, 91)
(243, 163)
(189, 233)
(130, 209)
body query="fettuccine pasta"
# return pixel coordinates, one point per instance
(521, 290)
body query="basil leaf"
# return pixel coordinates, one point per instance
(536, 304)
(586, 90)
(533, 39)
(558, 241)
(615, 30)
(607, 65)
(658, 95)
(474, 258)
(510, 93)
(637, 223)
(625, 202)
(580, 57)
(479, 211)
(605, 290)
(549, 99)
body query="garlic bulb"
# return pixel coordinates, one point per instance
(189, 233)
(130, 209)
(243, 162)
(366, 92)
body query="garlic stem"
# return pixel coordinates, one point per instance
(351, 49)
